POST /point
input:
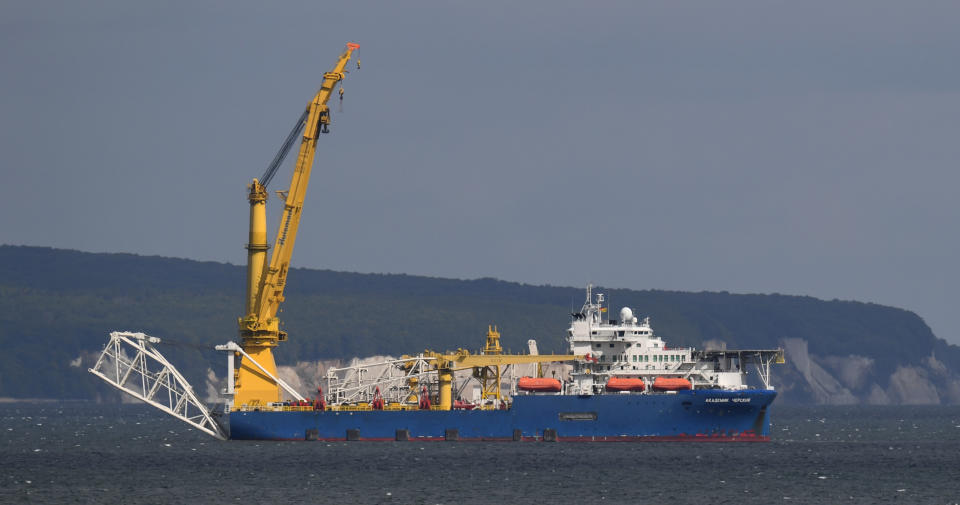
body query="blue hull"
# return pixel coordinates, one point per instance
(708, 415)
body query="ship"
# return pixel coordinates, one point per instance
(619, 381)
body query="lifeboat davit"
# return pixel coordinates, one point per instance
(625, 384)
(671, 384)
(539, 384)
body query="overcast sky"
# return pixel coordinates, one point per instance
(804, 148)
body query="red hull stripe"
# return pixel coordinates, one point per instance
(698, 438)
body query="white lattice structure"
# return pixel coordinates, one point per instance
(357, 383)
(130, 363)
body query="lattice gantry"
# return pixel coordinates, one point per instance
(130, 363)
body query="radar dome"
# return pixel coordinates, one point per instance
(626, 315)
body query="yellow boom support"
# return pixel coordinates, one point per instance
(447, 363)
(259, 327)
(486, 366)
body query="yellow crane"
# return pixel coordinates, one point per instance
(259, 327)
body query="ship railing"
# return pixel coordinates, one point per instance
(367, 407)
(276, 408)
(361, 407)
(762, 359)
(398, 408)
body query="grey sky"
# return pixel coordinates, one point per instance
(794, 147)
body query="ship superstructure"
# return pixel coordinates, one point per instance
(628, 348)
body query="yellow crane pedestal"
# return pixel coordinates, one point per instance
(445, 379)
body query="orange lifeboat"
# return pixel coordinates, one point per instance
(625, 384)
(539, 384)
(671, 384)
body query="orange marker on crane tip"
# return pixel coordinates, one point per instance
(351, 45)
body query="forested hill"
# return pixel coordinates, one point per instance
(58, 306)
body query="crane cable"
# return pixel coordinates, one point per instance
(177, 343)
(284, 149)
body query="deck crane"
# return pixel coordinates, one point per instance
(255, 383)
(486, 367)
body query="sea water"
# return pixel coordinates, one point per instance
(76, 452)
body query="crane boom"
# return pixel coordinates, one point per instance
(318, 117)
(259, 327)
